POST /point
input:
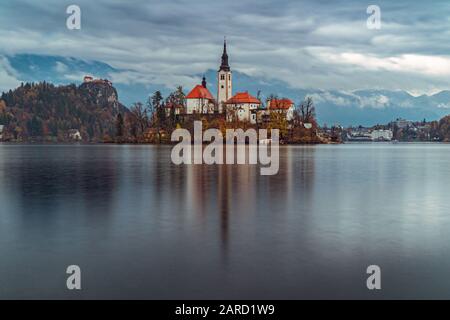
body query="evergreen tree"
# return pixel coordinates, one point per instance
(159, 112)
(119, 126)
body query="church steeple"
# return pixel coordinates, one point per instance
(224, 80)
(224, 65)
(204, 82)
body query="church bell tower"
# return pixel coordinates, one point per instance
(224, 79)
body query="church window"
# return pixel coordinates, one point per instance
(222, 77)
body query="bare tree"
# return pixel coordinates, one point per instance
(140, 113)
(306, 111)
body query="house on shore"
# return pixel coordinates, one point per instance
(74, 135)
(242, 107)
(284, 106)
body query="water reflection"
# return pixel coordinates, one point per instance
(141, 227)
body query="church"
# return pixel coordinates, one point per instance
(241, 106)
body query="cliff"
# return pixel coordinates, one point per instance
(44, 112)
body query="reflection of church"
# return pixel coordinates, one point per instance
(242, 106)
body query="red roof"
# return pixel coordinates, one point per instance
(243, 97)
(280, 104)
(200, 92)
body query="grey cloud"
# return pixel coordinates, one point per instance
(172, 40)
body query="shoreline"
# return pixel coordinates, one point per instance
(204, 143)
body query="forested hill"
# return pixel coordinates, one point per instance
(44, 112)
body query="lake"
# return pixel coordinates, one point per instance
(140, 227)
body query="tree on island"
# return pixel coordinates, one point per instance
(119, 127)
(175, 101)
(304, 124)
(156, 104)
(306, 111)
(141, 114)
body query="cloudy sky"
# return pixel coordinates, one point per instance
(308, 44)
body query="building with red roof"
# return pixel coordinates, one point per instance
(243, 107)
(243, 97)
(280, 104)
(200, 100)
(284, 105)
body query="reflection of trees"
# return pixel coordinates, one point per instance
(302, 174)
(223, 202)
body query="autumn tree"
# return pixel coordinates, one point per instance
(45, 112)
(444, 129)
(119, 126)
(278, 121)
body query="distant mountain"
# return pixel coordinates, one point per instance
(62, 70)
(44, 112)
(361, 107)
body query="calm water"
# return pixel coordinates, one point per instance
(140, 227)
